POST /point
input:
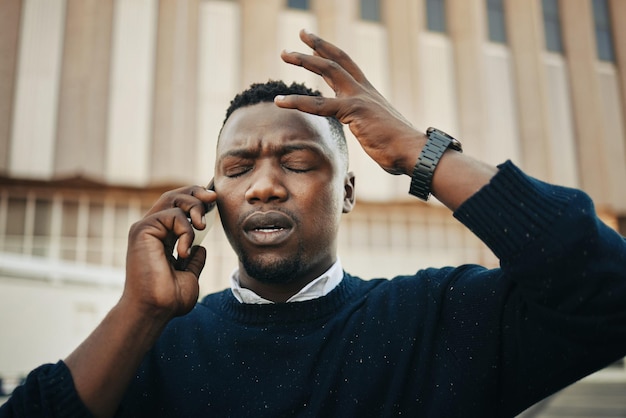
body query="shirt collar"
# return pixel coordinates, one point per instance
(317, 288)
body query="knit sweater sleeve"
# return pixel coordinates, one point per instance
(564, 314)
(48, 391)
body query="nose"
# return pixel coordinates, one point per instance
(266, 184)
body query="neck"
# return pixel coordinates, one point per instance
(279, 292)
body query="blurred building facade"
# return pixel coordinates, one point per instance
(105, 104)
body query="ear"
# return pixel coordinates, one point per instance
(348, 193)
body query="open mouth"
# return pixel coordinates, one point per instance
(268, 228)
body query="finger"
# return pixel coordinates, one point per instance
(332, 73)
(194, 263)
(168, 226)
(327, 50)
(170, 244)
(316, 105)
(194, 201)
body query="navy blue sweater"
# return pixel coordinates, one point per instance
(448, 342)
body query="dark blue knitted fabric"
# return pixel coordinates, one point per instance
(451, 342)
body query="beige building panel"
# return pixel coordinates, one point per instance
(335, 21)
(32, 145)
(57, 319)
(618, 25)
(218, 78)
(615, 139)
(371, 54)
(83, 95)
(260, 47)
(175, 105)
(579, 43)
(466, 21)
(404, 22)
(131, 92)
(502, 141)
(10, 12)
(438, 85)
(561, 137)
(524, 24)
(289, 24)
(383, 241)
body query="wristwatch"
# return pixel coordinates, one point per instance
(438, 142)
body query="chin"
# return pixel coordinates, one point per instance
(275, 271)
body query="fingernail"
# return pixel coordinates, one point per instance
(279, 98)
(188, 251)
(203, 220)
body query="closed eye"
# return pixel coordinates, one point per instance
(296, 169)
(299, 161)
(237, 170)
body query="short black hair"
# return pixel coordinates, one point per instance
(265, 92)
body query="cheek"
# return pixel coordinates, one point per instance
(228, 216)
(323, 208)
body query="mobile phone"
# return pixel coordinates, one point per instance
(209, 217)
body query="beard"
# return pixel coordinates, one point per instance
(274, 271)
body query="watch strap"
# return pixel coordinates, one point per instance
(421, 179)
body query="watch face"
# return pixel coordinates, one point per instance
(455, 144)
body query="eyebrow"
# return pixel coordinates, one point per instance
(250, 153)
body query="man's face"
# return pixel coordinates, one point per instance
(281, 190)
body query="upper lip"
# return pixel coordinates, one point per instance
(267, 220)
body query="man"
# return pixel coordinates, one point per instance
(296, 336)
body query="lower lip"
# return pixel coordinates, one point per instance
(268, 237)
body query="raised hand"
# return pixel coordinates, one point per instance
(155, 280)
(385, 135)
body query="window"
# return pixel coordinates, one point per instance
(42, 227)
(15, 227)
(436, 15)
(298, 4)
(370, 10)
(495, 19)
(552, 25)
(602, 23)
(72, 226)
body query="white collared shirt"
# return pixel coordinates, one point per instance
(315, 289)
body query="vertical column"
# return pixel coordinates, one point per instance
(335, 24)
(218, 42)
(37, 88)
(10, 11)
(466, 20)
(525, 34)
(260, 52)
(579, 43)
(334, 20)
(618, 25)
(174, 120)
(131, 88)
(56, 245)
(83, 96)
(290, 21)
(404, 20)
(4, 203)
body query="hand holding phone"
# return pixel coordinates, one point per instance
(200, 234)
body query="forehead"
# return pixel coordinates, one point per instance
(270, 125)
